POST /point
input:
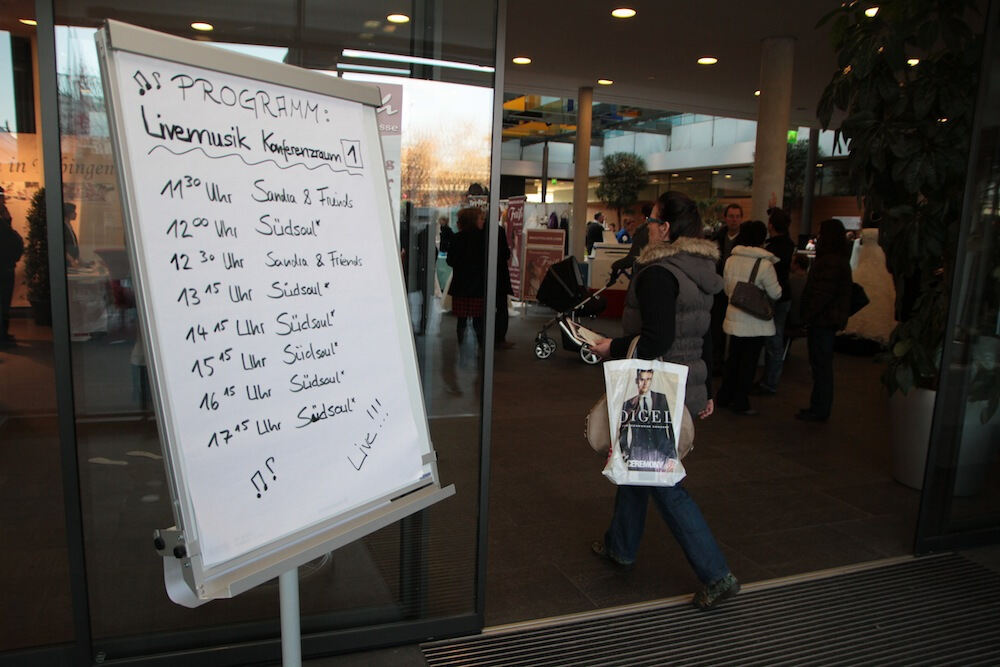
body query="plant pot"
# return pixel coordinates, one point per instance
(910, 416)
(42, 313)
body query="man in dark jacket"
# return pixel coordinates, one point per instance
(595, 231)
(11, 249)
(779, 244)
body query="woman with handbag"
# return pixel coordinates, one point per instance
(668, 305)
(751, 285)
(826, 307)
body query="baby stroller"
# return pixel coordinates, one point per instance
(562, 290)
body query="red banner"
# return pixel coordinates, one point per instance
(515, 241)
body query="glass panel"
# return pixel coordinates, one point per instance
(34, 570)
(421, 568)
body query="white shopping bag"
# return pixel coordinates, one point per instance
(645, 408)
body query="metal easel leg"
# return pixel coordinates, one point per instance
(291, 634)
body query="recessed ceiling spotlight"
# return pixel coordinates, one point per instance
(397, 18)
(675, 175)
(367, 35)
(756, 93)
(819, 164)
(729, 175)
(372, 24)
(913, 62)
(28, 21)
(715, 171)
(605, 82)
(943, 120)
(623, 13)
(521, 60)
(202, 26)
(389, 28)
(707, 60)
(690, 178)
(871, 12)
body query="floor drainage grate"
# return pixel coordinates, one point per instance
(933, 610)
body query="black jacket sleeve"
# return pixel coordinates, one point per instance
(657, 292)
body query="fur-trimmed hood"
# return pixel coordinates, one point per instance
(685, 244)
(697, 258)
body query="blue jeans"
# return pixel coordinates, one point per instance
(683, 518)
(774, 347)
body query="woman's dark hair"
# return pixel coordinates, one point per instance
(468, 217)
(779, 219)
(832, 239)
(682, 213)
(752, 233)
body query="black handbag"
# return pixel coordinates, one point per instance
(751, 299)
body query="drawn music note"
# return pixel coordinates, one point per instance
(156, 78)
(143, 82)
(254, 481)
(268, 462)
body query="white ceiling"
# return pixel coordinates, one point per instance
(651, 57)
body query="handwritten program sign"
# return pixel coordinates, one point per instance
(266, 283)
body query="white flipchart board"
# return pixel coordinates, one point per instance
(272, 305)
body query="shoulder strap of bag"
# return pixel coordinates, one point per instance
(633, 347)
(753, 274)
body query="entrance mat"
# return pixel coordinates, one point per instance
(935, 610)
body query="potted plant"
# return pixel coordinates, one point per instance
(36, 261)
(623, 175)
(906, 86)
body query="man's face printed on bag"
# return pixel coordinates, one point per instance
(643, 380)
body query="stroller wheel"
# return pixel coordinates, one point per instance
(588, 355)
(543, 351)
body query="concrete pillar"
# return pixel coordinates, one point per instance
(581, 173)
(774, 107)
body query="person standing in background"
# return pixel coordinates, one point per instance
(11, 249)
(779, 244)
(466, 256)
(746, 332)
(504, 289)
(445, 235)
(725, 237)
(826, 307)
(595, 231)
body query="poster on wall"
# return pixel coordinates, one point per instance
(515, 241)
(543, 248)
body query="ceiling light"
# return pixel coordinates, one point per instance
(397, 18)
(871, 12)
(819, 164)
(623, 13)
(675, 175)
(943, 120)
(605, 82)
(202, 26)
(394, 57)
(756, 93)
(366, 36)
(690, 178)
(373, 69)
(913, 62)
(370, 24)
(388, 28)
(715, 171)
(28, 21)
(729, 175)
(521, 60)
(707, 60)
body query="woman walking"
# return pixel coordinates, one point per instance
(668, 305)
